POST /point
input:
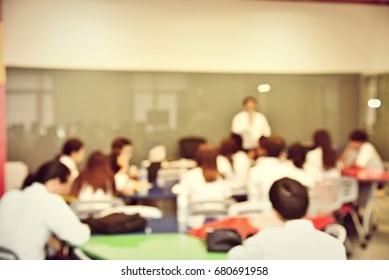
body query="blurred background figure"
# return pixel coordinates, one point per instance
(72, 153)
(250, 124)
(96, 181)
(323, 162)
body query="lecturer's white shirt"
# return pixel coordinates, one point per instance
(296, 240)
(250, 132)
(28, 218)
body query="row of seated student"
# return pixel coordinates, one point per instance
(250, 172)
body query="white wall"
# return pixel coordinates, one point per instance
(202, 35)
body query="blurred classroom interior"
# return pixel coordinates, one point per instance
(159, 71)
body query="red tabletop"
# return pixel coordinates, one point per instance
(367, 175)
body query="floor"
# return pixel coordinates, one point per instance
(378, 246)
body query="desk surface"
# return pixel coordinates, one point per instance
(364, 175)
(164, 246)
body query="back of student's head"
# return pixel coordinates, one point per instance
(206, 159)
(296, 153)
(238, 140)
(358, 135)
(274, 145)
(72, 145)
(228, 147)
(289, 198)
(47, 171)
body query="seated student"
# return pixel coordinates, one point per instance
(272, 167)
(296, 160)
(96, 181)
(297, 239)
(31, 217)
(361, 153)
(204, 182)
(233, 164)
(121, 153)
(323, 161)
(72, 153)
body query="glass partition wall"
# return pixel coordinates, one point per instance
(46, 106)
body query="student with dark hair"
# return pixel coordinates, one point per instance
(233, 164)
(250, 124)
(72, 153)
(361, 153)
(204, 182)
(272, 167)
(120, 157)
(323, 161)
(96, 181)
(37, 214)
(297, 239)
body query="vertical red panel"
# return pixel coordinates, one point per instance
(3, 139)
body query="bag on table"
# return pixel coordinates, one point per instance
(117, 223)
(222, 240)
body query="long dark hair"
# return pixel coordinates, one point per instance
(296, 153)
(47, 171)
(96, 174)
(206, 159)
(228, 148)
(322, 139)
(116, 148)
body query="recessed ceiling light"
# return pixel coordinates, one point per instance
(374, 103)
(264, 88)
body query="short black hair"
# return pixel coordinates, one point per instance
(72, 145)
(289, 198)
(274, 145)
(358, 135)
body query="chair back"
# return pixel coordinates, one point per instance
(7, 254)
(337, 231)
(324, 198)
(249, 207)
(188, 146)
(349, 189)
(88, 208)
(15, 173)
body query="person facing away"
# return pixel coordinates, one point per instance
(72, 153)
(322, 162)
(361, 153)
(250, 124)
(297, 239)
(233, 164)
(272, 167)
(96, 181)
(204, 182)
(36, 215)
(121, 153)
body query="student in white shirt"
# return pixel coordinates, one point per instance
(250, 124)
(322, 162)
(73, 153)
(96, 181)
(271, 168)
(361, 153)
(204, 182)
(37, 214)
(120, 157)
(234, 165)
(297, 239)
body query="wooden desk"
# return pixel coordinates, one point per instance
(164, 246)
(373, 178)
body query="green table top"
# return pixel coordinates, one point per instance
(164, 246)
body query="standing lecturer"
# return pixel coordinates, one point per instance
(250, 124)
